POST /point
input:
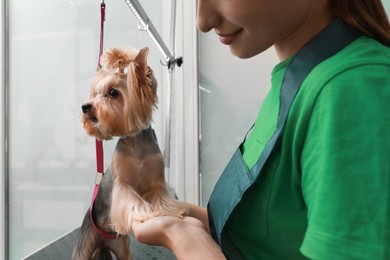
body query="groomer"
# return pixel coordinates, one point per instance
(312, 178)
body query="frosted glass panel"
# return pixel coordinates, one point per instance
(231, 92)
(53, 55)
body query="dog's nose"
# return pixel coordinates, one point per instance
(86, 108)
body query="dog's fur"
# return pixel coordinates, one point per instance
(123, 98)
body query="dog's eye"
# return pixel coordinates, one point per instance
(113, 93)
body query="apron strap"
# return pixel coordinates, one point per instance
(327, 43)
(234, 181)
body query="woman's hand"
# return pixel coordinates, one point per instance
(188, 238)
(159, 230)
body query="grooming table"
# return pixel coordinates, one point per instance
(61, 249)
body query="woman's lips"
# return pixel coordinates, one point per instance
(228, 38)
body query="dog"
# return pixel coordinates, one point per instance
(122, 100)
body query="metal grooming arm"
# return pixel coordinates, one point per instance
(170, 61)
(145, 24)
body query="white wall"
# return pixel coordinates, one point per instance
(2, 132)
(2, 129)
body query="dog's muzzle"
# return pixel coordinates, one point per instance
(88, 112)
(86, 108)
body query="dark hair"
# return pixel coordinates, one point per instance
(367, 16)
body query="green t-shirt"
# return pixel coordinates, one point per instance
(325, 191)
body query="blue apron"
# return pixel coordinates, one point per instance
(237, 178)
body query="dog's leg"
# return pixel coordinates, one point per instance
(164, 203)
(126, 206)
(88, 242)
(120, 247)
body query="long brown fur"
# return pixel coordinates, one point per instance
(121, 104)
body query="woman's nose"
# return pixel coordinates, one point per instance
(207, 15)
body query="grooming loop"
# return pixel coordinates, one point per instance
(99, 143)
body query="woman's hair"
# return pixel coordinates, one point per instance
(367, 16)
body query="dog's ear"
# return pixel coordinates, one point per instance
(116, 59)
(142, 56)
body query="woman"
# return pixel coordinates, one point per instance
(312, 180)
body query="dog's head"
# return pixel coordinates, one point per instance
(123, 95)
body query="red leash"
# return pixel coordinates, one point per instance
(99, 143)
(100, 168)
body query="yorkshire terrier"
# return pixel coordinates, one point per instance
(122, 100)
